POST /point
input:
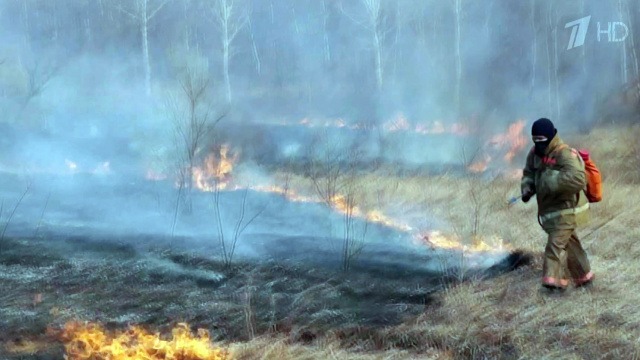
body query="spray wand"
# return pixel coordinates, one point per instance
(513, 200)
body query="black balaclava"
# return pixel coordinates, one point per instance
(543, 127)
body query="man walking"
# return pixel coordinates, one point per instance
(555, 174)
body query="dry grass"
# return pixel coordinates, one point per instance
(506, 317)
(511, 316)
(282, 349)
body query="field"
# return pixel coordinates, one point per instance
(289, 311)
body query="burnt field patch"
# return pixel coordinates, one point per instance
(47, 283)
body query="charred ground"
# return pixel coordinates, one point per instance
(111, 282)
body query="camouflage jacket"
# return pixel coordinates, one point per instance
(558, 181)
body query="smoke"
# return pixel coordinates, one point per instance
(79, 125)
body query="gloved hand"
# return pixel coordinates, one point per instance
(527, 194)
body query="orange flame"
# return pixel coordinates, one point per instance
(344, 206)
(480, 165)
(437, 239)
(339, 203)
(513, 138)
(215, 171)
(91, 341)
(512, 142)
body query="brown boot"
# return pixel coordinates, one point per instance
(585, 280)
(554, 284)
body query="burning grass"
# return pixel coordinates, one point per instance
(511, 316)
(284, 312)
(93, 342)
(103, 285)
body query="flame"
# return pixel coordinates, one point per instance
(481, 165)
(339, 203)
(397, 124)
(288, 193)
(437, 239)
(344, 206)
(512, 142)
(513, 138)
(509, 144)
(401, 123)
(91, 341)
(216, 170)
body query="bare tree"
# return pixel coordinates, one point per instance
(477, 203)
(534, 47)
(553, 22)
(633, 43)
(550, 63)
(230, 18)
(228, 244)
(375, 21)
(325, 38)
(33, 74)
(354, 236)
(190, 110)
(39, 74)
(11, 214)
(332, 170)
(324, 166)
(142, 14)
(256, 54)
(458, 12)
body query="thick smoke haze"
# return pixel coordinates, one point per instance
(91, 91)
(313, 59)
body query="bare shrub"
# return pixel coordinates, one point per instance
(190, 109)
(229, 242)
(332, 168)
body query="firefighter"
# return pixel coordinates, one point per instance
(555, 174)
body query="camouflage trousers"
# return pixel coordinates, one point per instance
(564, 259)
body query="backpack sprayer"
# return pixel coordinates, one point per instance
(593, 177)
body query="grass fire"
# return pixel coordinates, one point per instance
(358, 180)
(92, 341)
